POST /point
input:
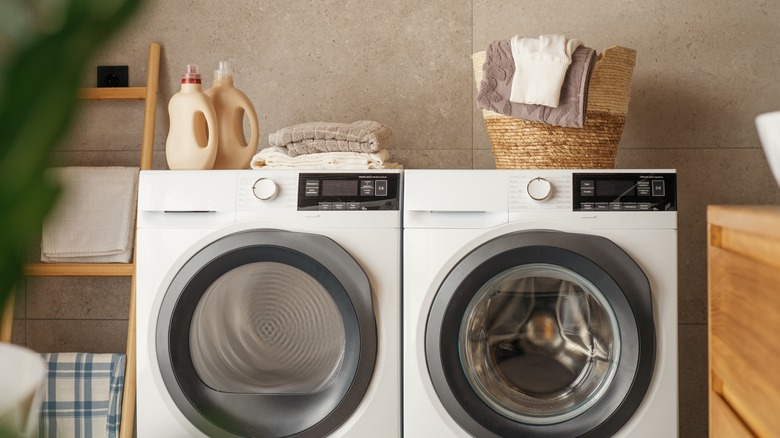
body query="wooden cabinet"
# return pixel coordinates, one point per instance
(744, 320)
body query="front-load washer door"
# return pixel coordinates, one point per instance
(542, 333)
(267, 333)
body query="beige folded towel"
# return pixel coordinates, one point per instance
(276, 157)
(307, 138)
(94, 219)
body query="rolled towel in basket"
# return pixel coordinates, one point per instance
(82, 395)
(276, 157)
(307, 138)
(94, 219)
(540, 67)
(496, 85)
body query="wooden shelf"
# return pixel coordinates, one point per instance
(79, 270)
(124, 93)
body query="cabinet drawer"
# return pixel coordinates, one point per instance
(745, 347)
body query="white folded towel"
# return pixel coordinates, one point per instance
(540, 68)
(276, 157)
(94, 219)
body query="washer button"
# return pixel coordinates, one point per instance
(381, 187)
(367, 188)
(659, 187)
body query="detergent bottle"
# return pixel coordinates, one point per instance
(192, 137)
(233, 151)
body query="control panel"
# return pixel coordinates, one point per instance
(349, 191)
(624, 192)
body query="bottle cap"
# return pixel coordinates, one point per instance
(223, 72)
(191, 76)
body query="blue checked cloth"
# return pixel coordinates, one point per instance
(83, 395)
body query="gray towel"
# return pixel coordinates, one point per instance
(496, 85)
(307, 138)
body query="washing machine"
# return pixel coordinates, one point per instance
(540, 303)
(268, 303)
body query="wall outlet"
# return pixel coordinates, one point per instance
(112, 76)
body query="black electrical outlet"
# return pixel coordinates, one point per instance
(112, 76)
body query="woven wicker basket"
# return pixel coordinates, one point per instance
(521, 144)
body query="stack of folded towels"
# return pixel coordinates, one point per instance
(541, 79)
(327, 145)
(94, 219)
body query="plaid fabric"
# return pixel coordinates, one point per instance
(83, 395)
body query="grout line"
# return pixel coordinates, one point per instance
(473, 87)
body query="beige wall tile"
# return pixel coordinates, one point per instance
(76, 335)
(19, 299)
(483, 159)
(78, 297)
(434, 159)
(18, 332)
(693, 380)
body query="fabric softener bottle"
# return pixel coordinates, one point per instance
(233, 151)
(192, 137)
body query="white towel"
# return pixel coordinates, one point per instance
(276, 157)
(540, 68)
(94, 219)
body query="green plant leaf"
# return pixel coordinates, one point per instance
(40, 70)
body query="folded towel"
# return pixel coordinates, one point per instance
(308, 138)
(276, 157)
(83, 395)
(94, 219)
(496, 85)
(540, 66)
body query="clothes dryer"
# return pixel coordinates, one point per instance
(540, 303)
(268, 304)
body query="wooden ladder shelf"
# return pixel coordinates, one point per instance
(149, 95)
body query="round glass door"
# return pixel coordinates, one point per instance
(542, 333)
(539, 343)
(267, 328)
(267, 321)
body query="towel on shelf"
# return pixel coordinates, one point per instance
(307, 138)
(276, 157)
(82, 395)
(540, 66)
(496, 84)
(94, 219)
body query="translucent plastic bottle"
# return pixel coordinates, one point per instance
(233, 151)
(192, 137)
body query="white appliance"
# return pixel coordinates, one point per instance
(268, 304)
(540, 303)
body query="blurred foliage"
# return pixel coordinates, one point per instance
(45, 46)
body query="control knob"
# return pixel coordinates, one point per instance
(539, 189)
(264, 189)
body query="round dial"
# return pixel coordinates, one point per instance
(539, 189)
(264, 189)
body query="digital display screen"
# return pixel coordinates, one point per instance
(615, 188)
(339, 187)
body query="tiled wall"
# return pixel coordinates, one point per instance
(704, 69)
